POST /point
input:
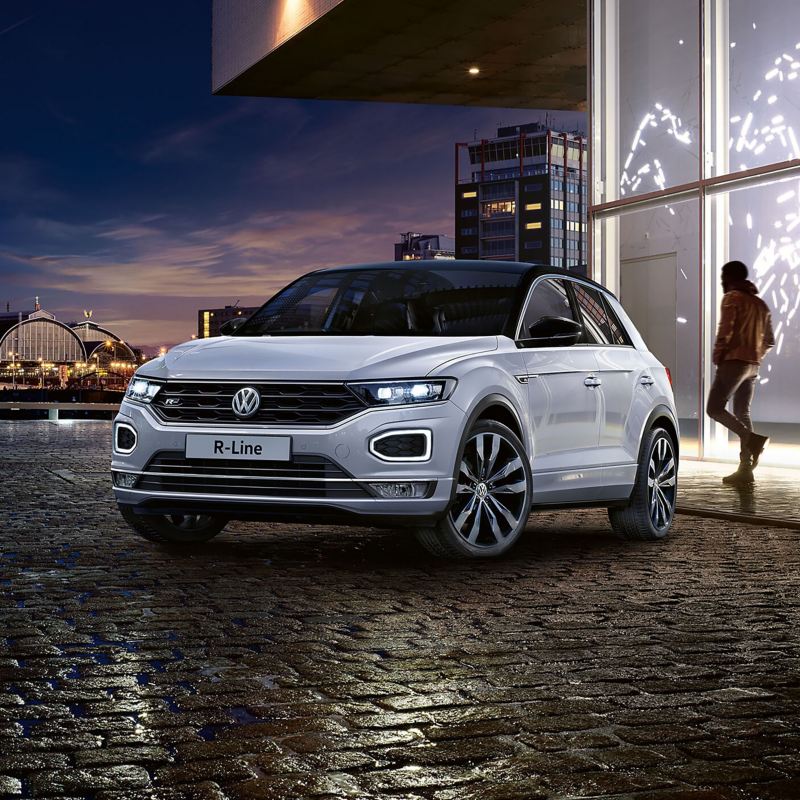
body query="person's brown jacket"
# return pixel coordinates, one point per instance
(745, 326)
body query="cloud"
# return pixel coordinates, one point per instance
(22, 182)
(15, 25)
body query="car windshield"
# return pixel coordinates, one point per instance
(406, 301)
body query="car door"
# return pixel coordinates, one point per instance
(564, 406)
(623, 382)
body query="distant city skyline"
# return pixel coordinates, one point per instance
(127, 188)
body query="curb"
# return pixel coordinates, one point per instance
(749, 519)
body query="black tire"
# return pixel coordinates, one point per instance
(172, 529)
(651, 509)
(478, 524)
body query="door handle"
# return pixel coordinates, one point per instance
(592, 381)
(646, 380)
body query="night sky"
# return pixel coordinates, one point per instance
(127, 188)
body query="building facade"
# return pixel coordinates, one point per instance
(39, 347)
(522, 197)
(696, 161)
(209, 320)
(423, 247)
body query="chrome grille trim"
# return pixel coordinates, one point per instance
(290, 403)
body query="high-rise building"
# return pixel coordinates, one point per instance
(209, 320)
(421, 247)
(522, 197)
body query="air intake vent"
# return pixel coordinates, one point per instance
(402, 446)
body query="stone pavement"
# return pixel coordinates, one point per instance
(287, 661)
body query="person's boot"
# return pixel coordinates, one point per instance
(744, 475)
(755, 447)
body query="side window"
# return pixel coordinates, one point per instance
(618, 333)
(595, 318)
(549, 299)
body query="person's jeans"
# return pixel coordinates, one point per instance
(736, 379)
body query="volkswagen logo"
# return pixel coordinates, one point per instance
(245, 402)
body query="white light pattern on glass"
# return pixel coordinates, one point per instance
(749, 134)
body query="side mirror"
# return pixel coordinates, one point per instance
(232, 325)
(553, 332)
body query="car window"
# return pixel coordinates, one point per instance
(597, 329)
(618, 333)
(549, 299)
(407, 301)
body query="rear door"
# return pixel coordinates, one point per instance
(622, 380)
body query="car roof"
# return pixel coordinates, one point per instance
(529, 271)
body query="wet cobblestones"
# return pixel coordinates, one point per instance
(302, 661)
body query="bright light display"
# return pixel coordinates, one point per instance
(764, 222)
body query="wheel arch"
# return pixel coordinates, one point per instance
(661, 417)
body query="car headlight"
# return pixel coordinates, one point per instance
(142, 390)
(395, 393)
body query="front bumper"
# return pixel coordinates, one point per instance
(346, 445)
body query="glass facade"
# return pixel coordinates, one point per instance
(695, 117)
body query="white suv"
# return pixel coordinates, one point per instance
(452, 397)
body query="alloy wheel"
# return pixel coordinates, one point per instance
(492, 491)
(661, 484)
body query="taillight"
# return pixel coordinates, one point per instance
(669, 375)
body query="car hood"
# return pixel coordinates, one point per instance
(314, 357)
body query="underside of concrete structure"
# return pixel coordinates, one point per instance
(528, 54)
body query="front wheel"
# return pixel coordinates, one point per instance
(492, 500)
(174, 528)
(651, 508)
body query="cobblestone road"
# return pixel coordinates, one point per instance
(294, 662)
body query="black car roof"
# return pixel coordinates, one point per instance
(529, 271)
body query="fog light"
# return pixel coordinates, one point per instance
(125, 480)
(396, 490)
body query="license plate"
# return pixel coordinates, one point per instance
(265, 448)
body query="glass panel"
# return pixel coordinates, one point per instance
(760, 225)
(762, 49)
(651, 260)
(646, 96)
(593, 311)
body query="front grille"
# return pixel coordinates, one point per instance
(281, 403)
(303, 476)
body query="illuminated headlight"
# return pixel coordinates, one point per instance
(395, 393)
(142, 390)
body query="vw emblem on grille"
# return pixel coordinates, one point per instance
(245, 402)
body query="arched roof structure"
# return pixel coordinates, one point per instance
(42, 337)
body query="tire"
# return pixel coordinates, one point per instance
(651, 509)
(172, 529)
(492, 501)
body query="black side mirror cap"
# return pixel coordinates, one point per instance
(553, 332)
(232, 325)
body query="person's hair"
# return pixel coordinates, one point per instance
(734, 271)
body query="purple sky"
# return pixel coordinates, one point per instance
(127, 188)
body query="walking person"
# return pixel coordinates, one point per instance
(744, 337)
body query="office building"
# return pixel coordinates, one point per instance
(522, 197)
(421, 247)
(209, 320)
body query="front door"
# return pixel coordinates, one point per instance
(564, 403)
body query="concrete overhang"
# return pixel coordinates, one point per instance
(531, 54)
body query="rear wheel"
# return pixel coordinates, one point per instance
(651, 508)
(492, 500)
(174, 528)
